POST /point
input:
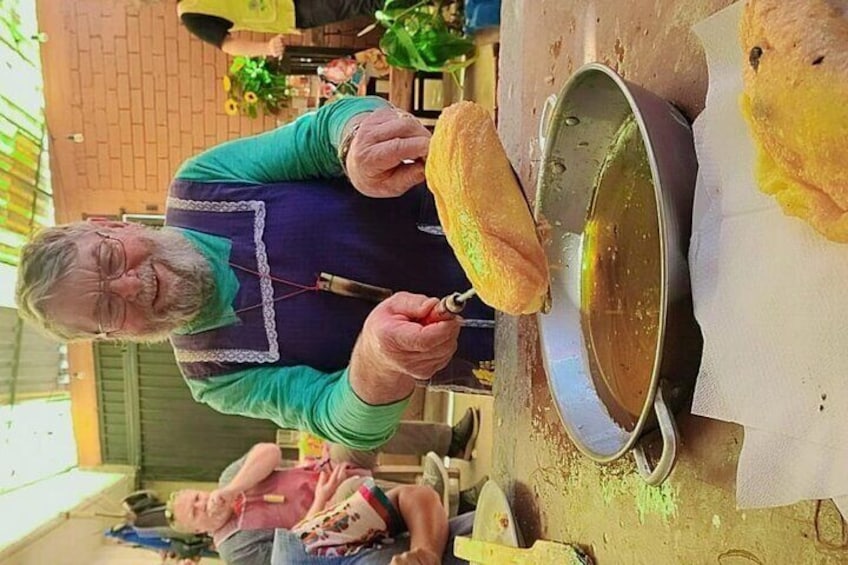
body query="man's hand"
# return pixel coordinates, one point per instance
(386, 156)
(276, 47)
(393, 339)
(395, 346)
(220, 498)
(418, 556)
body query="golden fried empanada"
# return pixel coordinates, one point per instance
(483, 211)
(796, 88)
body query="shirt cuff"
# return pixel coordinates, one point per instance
(357, 424)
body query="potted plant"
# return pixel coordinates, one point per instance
(253, 84)
(425, 36)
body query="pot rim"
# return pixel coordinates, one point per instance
(647, 411)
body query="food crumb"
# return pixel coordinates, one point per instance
(716, 521)
(502, 520)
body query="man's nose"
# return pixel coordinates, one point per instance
(127, 286)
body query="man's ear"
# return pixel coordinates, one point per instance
(108, 224)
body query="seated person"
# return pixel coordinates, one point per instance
(287, 549)
(255, 497)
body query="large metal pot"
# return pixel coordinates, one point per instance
(615, 191)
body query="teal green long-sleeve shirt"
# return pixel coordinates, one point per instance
(297, 397)
(304, 149)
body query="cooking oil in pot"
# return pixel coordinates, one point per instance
(621, 277)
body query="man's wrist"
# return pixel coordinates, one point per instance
(344, 147)
(348, 134)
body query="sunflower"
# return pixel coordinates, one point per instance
(231, 107)
(227, 83)
(250, 97)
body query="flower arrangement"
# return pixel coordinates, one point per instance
(426, 36)
(253, 85)
(309, 446)
(342, 77)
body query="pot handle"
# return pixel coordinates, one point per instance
(668, 430)
(550, 102)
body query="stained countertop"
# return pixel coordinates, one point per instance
(556, 492)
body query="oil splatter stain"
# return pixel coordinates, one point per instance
(619, 50)
(555, 48)
(620, 479)
(660, 500)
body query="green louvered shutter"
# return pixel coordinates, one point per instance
(149, 419)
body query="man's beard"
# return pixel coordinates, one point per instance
(191, 286)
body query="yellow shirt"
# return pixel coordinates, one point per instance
(269, 16)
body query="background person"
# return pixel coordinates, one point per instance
(255, 497)
(214, 21)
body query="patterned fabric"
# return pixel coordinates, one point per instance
(364, 520)
(288, 550)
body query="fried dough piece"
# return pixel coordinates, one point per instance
(483, 212)
(794, 100)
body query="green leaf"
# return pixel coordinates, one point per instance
(403, 51)
(418, 37)
(238, 63)
(384, 18)
(442, 49)
(398, 53)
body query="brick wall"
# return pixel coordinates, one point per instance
(144, 94)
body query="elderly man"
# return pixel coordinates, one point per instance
(244, 277)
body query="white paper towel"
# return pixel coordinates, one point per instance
(775, 470)
(768, 294)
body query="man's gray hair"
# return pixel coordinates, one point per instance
(45, 261)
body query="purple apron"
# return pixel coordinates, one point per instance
(295, 231)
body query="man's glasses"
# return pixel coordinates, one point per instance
(111, 309)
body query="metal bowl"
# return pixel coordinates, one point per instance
(615, 191)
